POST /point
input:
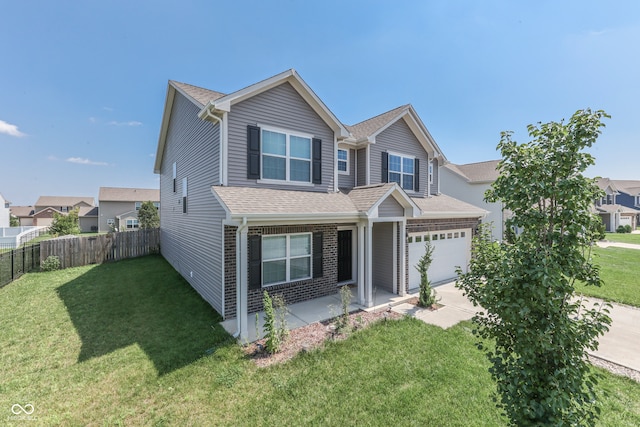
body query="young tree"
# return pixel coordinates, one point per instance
(14, 221)
(526, 285)
(63, 225)
(148, 215)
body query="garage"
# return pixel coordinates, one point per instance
(451, 248)
(626, 220)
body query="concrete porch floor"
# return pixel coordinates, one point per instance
(316, 310)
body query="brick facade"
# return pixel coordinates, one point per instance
(293, 292)
(425, 225)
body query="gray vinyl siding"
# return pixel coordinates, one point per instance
(390, 207)
(284, 108)
(382, 268)
(362, 167)
(192, 241)
(399, 139)
(109, 210)
(348, 181)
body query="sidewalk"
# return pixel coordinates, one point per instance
(621, 345)
(606, 244)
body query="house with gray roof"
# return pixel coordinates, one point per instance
(266, 189)
(119, 206)
(469, 182)
(46, 206)
(620, 204)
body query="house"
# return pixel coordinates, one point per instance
(620, 204)
(265, 189)
(4, 212)
(119, 206)
(24, 214)
(46, 206)
(469, 182)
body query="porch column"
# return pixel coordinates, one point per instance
(242, 281)
(368, 266)
(403, 257)
(361, 271)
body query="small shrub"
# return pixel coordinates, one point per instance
(342, 324)
(427, 295)
(275, 322)
(621, 229)
(50, 264)
(627, 228)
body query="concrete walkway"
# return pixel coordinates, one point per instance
(606, 244)
(621, 345)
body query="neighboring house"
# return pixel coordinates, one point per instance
(4, 212)
(469, 182)
(620, 204)
(24, 214)
(265, 189)
(47, 205)
(119, 206)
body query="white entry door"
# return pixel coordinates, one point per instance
(451, 248)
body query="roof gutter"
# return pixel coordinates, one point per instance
(223, 155)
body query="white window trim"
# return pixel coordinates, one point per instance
(288, 134)
(389, 172)
(134, 221)
(138, 205)
(346, 172)
(288, 259)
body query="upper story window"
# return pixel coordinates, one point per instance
(637, 200)
(402, 170)
(343, 161)
(280, 155)
(286, 156)
(138, 205)
(430, 173)
(611, 199)
(175, 174)
(184, 195)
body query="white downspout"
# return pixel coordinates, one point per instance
(241, 276)
(222, 154)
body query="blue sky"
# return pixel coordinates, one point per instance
(82, 84)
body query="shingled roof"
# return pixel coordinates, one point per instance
(196, 93)
(447, 206)
(479, 172)
(54, 201)
(370, 126)
(116, 194)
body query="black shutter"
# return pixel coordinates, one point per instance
(184, 204)
(253, 152)
(385, 167)
(255, 261)
(317, 161)
(317, 255)
(416, 175)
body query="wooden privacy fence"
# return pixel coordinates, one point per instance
(78, 251)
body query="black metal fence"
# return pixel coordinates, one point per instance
(16, 262)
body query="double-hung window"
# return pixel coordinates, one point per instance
(286, 156)
(132, 223)
(286, 258)
(343, 161)
(138, 205)
(401, 170)
(430, 172)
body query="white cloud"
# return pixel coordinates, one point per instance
(81, 161)
(92, 120)
(107, 108)
(10, 129)
(129, 123)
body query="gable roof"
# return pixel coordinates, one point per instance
(367, 130)
(86, 211)
(21, 211)
(216, 103)
(627, 186)
(53, 201)
(475, 173)
(616, 208)
(116, 194)
(443, 206)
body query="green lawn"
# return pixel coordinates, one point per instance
(620, 271)
(131, 343)
(623, 238)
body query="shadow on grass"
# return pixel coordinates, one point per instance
(142, 301)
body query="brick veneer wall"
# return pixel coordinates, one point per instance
(294, 291)
(425, 225)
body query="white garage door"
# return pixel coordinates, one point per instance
(451, 248)
(625, 220)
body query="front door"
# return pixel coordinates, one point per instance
(345, 259)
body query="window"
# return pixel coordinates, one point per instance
(132, 223)
(111, 221)
(156, 204)
(286, 157)
(184, 195)
(430, 172)
(64, 208)
(637, 200)
(343, 161)
(400, 169)
(286, 258)
(138, 205)
(174, 176)
(434, 237)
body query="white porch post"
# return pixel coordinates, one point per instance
(403, 257)
(368, 266)
(361, 271)
(242, 269)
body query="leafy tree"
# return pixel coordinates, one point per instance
(14, 221)
(63, 225)
(427, 296)
(539, 331)
(148, 215)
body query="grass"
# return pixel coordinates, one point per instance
(620, 271)
(623, 238)
(131, 343)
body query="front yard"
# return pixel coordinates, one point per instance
(623, 238)
(131, 343)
